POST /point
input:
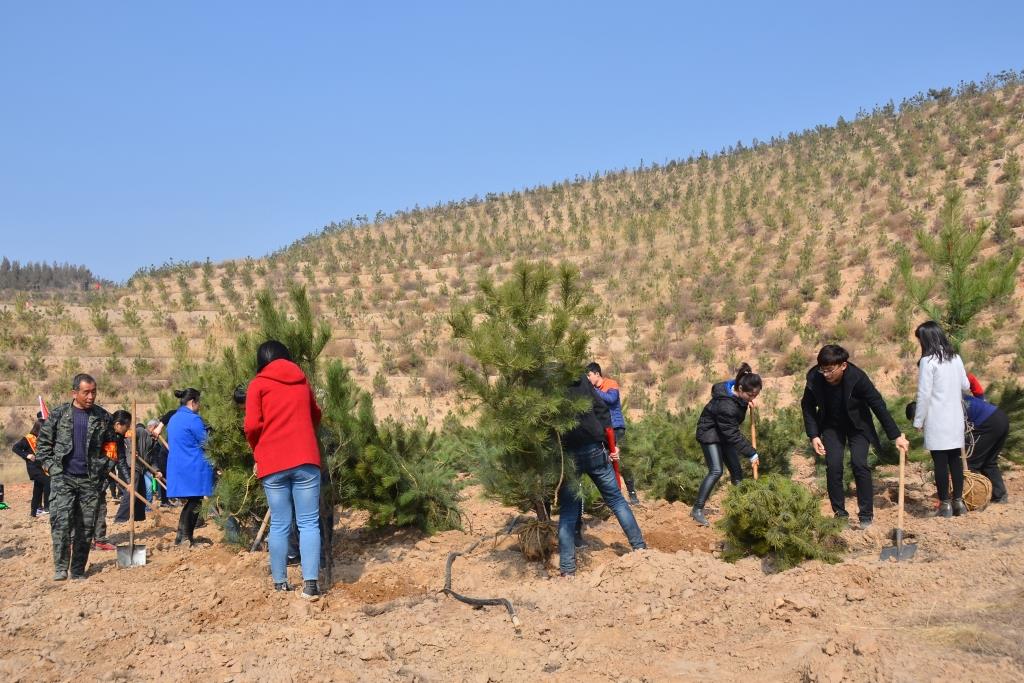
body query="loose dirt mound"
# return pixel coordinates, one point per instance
(675, 612)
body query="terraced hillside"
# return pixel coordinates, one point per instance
(757, 253)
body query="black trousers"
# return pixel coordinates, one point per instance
(948, 464)
(835, 442)
(989, 439)
(714, 455)
(188, 518)
(40, 487)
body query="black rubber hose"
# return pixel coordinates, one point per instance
(475, 602)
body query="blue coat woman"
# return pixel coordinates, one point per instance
(189, 473)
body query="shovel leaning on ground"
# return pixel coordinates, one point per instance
(901, 550)
(132, 555)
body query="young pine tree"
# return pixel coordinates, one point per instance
(529, 339)
(967, 282)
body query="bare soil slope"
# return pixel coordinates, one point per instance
(675, 612)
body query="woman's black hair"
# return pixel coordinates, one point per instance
(121, 417)
(746, 379)
(36, 426)
(934, 341)
(186, 395)
(270, 351)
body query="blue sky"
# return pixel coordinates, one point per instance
(133, 133)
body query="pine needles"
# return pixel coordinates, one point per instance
(776, 517)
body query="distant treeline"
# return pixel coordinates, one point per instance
(41, 276)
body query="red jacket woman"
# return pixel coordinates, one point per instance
(281, 417)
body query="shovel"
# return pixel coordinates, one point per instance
(900, 551)
(132, 555)
(753, 439)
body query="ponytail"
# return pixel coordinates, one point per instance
(186, 395)
(746, 379)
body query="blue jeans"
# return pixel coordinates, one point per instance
(298, 487)
(594, 462)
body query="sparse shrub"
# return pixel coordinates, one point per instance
(100, 320)
(778, 518)
(114, 367)
(380, 384)
(795, 362)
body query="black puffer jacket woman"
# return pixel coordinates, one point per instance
(719, 436)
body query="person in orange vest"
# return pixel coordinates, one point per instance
(609, 391)
(25, 448)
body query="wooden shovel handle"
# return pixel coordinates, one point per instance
(127, 488)
(259, 534)
(753, 437)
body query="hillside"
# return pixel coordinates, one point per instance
(758, 253)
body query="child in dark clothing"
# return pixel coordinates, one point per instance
(25, 448)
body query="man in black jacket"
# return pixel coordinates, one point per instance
(838, 401)
(585, 445)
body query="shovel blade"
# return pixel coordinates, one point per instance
(904, 551)
(131, 556)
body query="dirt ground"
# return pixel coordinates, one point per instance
(675, 612)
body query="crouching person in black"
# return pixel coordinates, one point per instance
(719, 436)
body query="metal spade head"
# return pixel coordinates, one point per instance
(900, 551)
(131, 555)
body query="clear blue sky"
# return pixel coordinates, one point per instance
(136, 132)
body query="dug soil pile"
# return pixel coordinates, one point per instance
(675, 612)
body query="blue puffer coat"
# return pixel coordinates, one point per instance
(189, 473)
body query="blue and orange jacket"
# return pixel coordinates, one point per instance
(608, 390)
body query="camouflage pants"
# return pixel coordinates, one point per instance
(73, 502)
(100, 518)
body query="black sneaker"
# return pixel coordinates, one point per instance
(310, 591)
(959, 507)
(293, 560)
(698, 516)
(78, 577)
(1003, 499)
(865, 522)
(633, 500)
(579, 541)
(283, 587)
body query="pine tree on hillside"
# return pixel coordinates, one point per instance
(528, 337)
(968, 283)
(356, 457)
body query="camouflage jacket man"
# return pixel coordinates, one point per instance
(55, 441)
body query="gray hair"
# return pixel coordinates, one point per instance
(152, 423)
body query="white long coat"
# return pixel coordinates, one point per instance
(940, 408)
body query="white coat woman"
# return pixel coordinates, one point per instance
(941, 384)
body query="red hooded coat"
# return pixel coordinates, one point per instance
(281, 417)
